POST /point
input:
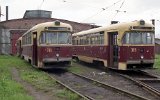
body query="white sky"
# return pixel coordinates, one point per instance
(88, 11)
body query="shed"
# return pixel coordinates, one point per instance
(11, 30)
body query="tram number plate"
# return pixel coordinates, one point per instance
(49, 49)
(133, 50)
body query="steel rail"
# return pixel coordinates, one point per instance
(140, 83)
(85, 97)
(109, 86)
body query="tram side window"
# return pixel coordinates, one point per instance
(101, 39)
(126, 38)
(83, 40)
(26, 39)
(73, 41)
(87, 40)
(97, 39)
(42, 38)
(94, 38)
(80, 41)
(77, 41)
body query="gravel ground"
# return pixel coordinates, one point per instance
(153, 72)
(89, 88)
(110, 78)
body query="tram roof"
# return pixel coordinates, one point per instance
(48, 24)
(116, 27)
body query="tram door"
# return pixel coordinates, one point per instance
(20, 48)
(113, 49)
(34, 50)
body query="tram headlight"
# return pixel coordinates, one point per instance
(142, 22)
(57, 55)
(142, 57)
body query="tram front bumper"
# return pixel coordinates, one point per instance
(49, 60)
(140, 61)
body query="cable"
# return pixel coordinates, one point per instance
(80, 3)
(41, 4)
(117, 11)
(102, 9)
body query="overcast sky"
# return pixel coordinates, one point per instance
(99, 12)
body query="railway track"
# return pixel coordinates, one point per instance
(90, 89)
(70, 89)
(148, 81)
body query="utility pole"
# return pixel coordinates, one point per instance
(1, 13)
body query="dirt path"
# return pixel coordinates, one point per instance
(36, 94)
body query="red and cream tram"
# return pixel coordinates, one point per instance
(47, 45)
(121, 46)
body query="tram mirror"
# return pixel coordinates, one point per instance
(118, 40)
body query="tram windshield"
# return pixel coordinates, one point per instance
(138, 38)
(55, 38)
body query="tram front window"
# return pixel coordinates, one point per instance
(138, 38)
(55, 38)
(64, 38)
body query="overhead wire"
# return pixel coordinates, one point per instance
(60, 7)
(100, 11)
(117, 11)
(41, 4)
(103, 9)
(81, 3)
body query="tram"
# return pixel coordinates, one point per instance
(121, 46)
(48, 45)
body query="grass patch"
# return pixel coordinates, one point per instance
(76, 68)
(38, 78)
(42, 81)
(157, 62)
(67, 94)
(11, 61)
(9, 89)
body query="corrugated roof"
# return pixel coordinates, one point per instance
(28, 23)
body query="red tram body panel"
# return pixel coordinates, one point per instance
(52, 55)
(137, 56)
(122, 46)
(99, 52)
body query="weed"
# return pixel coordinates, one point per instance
(67, 94)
